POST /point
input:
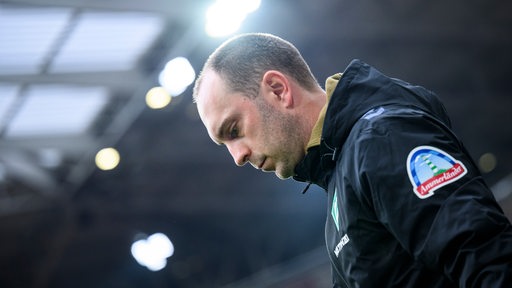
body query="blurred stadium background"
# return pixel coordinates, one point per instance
(74, 79)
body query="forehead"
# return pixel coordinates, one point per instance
(211, 95)
(215, 103)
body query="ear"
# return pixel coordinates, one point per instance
(276, 87)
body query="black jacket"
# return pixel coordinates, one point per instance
(407, 206)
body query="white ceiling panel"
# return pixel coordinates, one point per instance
(27, 35)
(107, 41)
(56, 110)
(8, 94)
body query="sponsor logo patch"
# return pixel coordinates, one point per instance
(430, 168)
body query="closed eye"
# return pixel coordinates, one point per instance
(233, 132)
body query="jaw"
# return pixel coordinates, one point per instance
(284, 173)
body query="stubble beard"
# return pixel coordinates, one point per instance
(284, 135)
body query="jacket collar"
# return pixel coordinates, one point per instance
(316, 134)
(316, 149)
(361, 89)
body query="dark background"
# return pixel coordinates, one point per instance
(235, 225)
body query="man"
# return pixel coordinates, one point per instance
(407, 206)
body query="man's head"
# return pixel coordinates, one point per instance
(257, 96)
(242, 60)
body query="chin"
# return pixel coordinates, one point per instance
(283, 175)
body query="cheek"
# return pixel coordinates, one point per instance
(275, 141)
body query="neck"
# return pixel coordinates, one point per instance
(312, 108)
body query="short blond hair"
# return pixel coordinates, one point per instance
(243, 60)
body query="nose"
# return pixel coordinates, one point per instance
(239, 152)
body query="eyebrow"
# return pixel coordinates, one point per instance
(221, 131)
